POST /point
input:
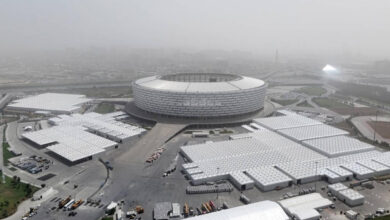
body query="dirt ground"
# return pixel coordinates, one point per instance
(345, 126)
(364, 111)
(381, 127)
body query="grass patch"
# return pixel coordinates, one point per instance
(102, 92)
(6, 153)
(104, 108)
(387, 217)
(226, 131)
(12, 193)
(284, 101)
(6, 120)
(330, 103)
(312, 90)
(305, 104)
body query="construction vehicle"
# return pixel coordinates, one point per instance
(204, 208)
(213, 207)
(62, 203)
(225, 205)
(131, 214)
(139, 209)
(192, 211)
(244, 199)
(186, 210)
(77, 204)
(69, 205)
(208, 207)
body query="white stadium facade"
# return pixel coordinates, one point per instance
(199, 95)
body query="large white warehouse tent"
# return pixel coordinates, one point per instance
(264, 210)
(106, 125)
(51, 102)
(305, 207)
(292, 148)
(76, 137)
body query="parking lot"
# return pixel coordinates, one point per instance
(139, 183)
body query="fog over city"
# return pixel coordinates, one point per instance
(195, 109)
(355, 28)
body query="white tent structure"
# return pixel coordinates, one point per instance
(264, 210)
(51, 102)
(289, 149)
(305, 207)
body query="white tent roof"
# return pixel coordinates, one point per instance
(287, 121)
(338, 145)
(304, 206)
(73, 143)
(312, 132)
(264, 210)
(51, 102)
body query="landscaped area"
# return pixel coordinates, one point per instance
(284, 101)
(104, 108)
(330, 103)
(312, 90)
(6, 153)
(387, 217)
(305, 104)
(13, 192)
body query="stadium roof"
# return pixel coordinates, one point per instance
(53, 102)
(159, 83)
(264, 210)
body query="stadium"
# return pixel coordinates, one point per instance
(199, 95)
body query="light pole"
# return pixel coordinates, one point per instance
(315, 183)
(376, 122)
(216, 185)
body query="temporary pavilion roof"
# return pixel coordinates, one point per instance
(264, 210)
(304, 207)
(338, 145)
(285, 158)
(312, 132)
(286, 121)
(106, 124)
(72, 143)
(56, 102)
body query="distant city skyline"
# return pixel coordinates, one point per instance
(342, 28)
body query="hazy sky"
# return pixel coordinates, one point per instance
(292, 26)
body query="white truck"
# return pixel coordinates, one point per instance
(68, 205)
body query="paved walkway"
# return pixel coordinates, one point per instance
(1, 148)
(361, 123)
(153, 139)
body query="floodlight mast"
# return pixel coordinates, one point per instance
(315, 183)
(216, 185)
